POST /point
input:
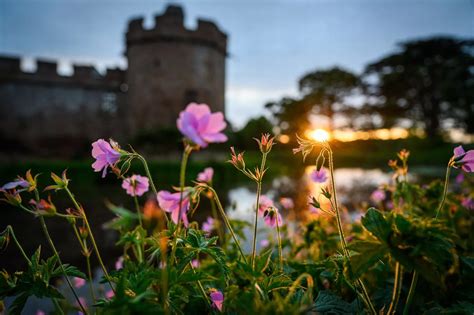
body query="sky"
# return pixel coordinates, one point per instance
(271, 43)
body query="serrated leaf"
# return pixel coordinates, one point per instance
(368, 254)
(329, 303)
(376, 224)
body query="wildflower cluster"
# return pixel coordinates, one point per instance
(325, 265)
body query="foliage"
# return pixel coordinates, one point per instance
(426, 81)
(322, 265)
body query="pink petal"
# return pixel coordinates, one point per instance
(167, 200)
(198, 110)
(99, 164)
(189, 128)
(458, 151)
(96, 150)
(216, 123)
(175, 215)
(214, 137)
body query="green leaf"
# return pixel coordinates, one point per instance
(376, 224)
(18, 304)
(329, 303)
(368, 254)
(263, 260)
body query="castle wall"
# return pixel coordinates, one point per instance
(170, 66)
(45, 108)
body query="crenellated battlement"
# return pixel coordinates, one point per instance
(169, 26)
(47, 72)
(168, 66)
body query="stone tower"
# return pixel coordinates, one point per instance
(170, 66)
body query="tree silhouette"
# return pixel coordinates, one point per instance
(426, 81)
(325, 91)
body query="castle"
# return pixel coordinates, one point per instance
(168, 67)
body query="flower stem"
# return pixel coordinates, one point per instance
(201, 288)
(365, 294)
(57, 306)
(411, 293)
(89, 274)
(220, 231)
(89, 230)
(257, 205)
(182, 179)
(397, 286)
(280, 251)
(152, 184)
(445, 190)
(137, 206)
(226, 221)
(86, 253)
(12, 233)
(53, 248)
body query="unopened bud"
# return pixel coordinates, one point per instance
(83, 232)
(265, 143)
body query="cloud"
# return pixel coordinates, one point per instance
(245, 102)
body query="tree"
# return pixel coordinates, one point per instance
(322, 92)
(427, 81)
(290, 114)
(326, 91)
(253, 129)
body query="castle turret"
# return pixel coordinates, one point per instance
(170, 66)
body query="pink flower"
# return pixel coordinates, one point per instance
(201, 126)
(468, 203)
(78, 282)
(104, 156)
(464, 159)
(136, 185)
(109, 294)
(378, 195)
(264, 243)
(208, 226)
(217, 299)
(169, 202)
(271, 215)
(287, 203)
(20, 182)
(206, 175)
(40, 312)
(195, 263)
(460, 178)
(119, 263)
(318, 176)
(264, 204)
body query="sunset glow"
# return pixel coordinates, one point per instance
(347, 135)
(320, 135)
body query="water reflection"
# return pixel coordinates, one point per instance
(354, 186)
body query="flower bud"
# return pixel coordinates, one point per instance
(83, 232)
(13, 199)
(237, 159)
(265, 143)
(315, 203)
(326, 193)
(403, 155)
(60, 182)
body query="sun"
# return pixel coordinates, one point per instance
(320, 135)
